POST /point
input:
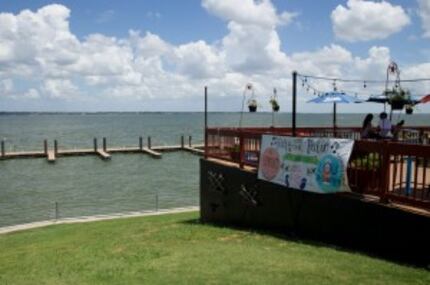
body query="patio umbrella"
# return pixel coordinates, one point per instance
(334, 97)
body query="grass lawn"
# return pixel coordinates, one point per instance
(176, 249)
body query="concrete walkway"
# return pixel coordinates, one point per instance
(86, 219)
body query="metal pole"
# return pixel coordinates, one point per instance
(3, 153)
(45, 146)
(334, 119)
(55, 147)
(149, 142)
(140, 143)
(104, 144)
(206, 122)
(95, 144)
(294, 102)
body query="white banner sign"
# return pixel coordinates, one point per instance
(309, 164)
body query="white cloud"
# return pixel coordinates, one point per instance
(199, 60)
(58, 88)
(31, 94)
(367, 20)
(6, 86)
(424, 12)
(248, 12)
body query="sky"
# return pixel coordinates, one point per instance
(157, 55)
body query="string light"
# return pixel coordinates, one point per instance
(360, 80)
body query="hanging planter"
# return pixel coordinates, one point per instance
(252, 105)
(409, 109)
(274, 101)
(398, 98)
(275, 105)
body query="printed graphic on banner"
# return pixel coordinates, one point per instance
(309, 164)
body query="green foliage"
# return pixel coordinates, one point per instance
(274, 103)
(177, 249)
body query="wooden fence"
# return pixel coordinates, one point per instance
(394, 171)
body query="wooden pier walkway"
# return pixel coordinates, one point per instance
(51, 156)
(103, 152)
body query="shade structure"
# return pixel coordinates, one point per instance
(425, 99)
(335, 97)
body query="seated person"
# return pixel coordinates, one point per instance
(367, 131)
(384, 127)
(396, 129)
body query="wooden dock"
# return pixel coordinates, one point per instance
(152, 153)
(103, 152)
(50, 156)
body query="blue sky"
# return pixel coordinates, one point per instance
(157, 55)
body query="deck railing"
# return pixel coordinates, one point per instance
(396, 171)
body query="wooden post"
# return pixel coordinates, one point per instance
(55, 147)
(140, 143)
(3, 153)
(104, 144)
(182, 141)
(294, 102)
(149, 142)
(189, 140)
(45, 147)
(95, 144)
(242, 149)
(206, 123)
(385, 175)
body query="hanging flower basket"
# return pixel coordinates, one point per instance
(275, 105)
(397, 105)
(398, 98)
(409, 110)
(252, 105)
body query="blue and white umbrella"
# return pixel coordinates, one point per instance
(335, 97)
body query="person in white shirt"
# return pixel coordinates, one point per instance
(384, 126)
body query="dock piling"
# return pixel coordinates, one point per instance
(140, 143)
(56, 210)
(45, 146)
(55, 147)
(182, 141)
(95, 144)
(3, 153)
(149, 143)
(189, 140)
(104, 144)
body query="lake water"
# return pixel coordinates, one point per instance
(34, 190)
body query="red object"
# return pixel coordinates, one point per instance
(425, 99)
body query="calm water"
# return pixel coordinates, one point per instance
(32, 189)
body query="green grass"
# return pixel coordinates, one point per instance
(177, 249)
